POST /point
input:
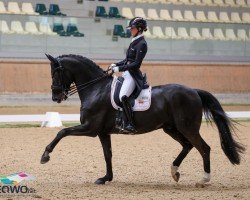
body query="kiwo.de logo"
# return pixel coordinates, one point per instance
(12, 184)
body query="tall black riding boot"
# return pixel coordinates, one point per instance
(129, 126)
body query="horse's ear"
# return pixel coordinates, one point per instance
(51, 58)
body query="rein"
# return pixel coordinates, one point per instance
(74, 89)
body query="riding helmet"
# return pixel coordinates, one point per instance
(139, 23)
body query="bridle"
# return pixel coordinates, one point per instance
(68, 91)
(62, 87)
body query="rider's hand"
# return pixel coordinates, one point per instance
(112, 65)
(115, 69)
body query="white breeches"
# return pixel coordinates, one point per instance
(128, 85)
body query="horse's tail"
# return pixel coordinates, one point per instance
(213, 111)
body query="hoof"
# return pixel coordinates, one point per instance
(205, 179)
(200, 185)
(100, 181)
(45, 159)
(176, 177)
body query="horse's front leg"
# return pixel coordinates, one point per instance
(81, 130)
(107, 150)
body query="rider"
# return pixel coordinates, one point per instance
(130, 66)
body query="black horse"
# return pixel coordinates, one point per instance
(176, 109)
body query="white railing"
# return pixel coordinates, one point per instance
(37, 118)
(76, 117)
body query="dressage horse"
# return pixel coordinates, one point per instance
(176, 109)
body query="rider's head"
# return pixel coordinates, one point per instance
(137, 25)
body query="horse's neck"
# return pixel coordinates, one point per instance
(102, 86)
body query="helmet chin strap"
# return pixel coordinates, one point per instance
(137, 33)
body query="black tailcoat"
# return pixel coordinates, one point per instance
(134, 57)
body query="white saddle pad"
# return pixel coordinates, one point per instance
(142, 102)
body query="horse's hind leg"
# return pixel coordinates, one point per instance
(196, 140)
(186, 147)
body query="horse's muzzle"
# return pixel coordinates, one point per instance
(59, 98)
(56, 99)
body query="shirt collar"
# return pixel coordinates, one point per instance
(137, 37)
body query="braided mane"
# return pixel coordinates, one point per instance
(83, 60)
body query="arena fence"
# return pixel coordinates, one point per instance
(76, 117)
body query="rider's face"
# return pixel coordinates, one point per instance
(134, 31)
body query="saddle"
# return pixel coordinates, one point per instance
(141, 103)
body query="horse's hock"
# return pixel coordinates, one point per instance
(34, 76)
